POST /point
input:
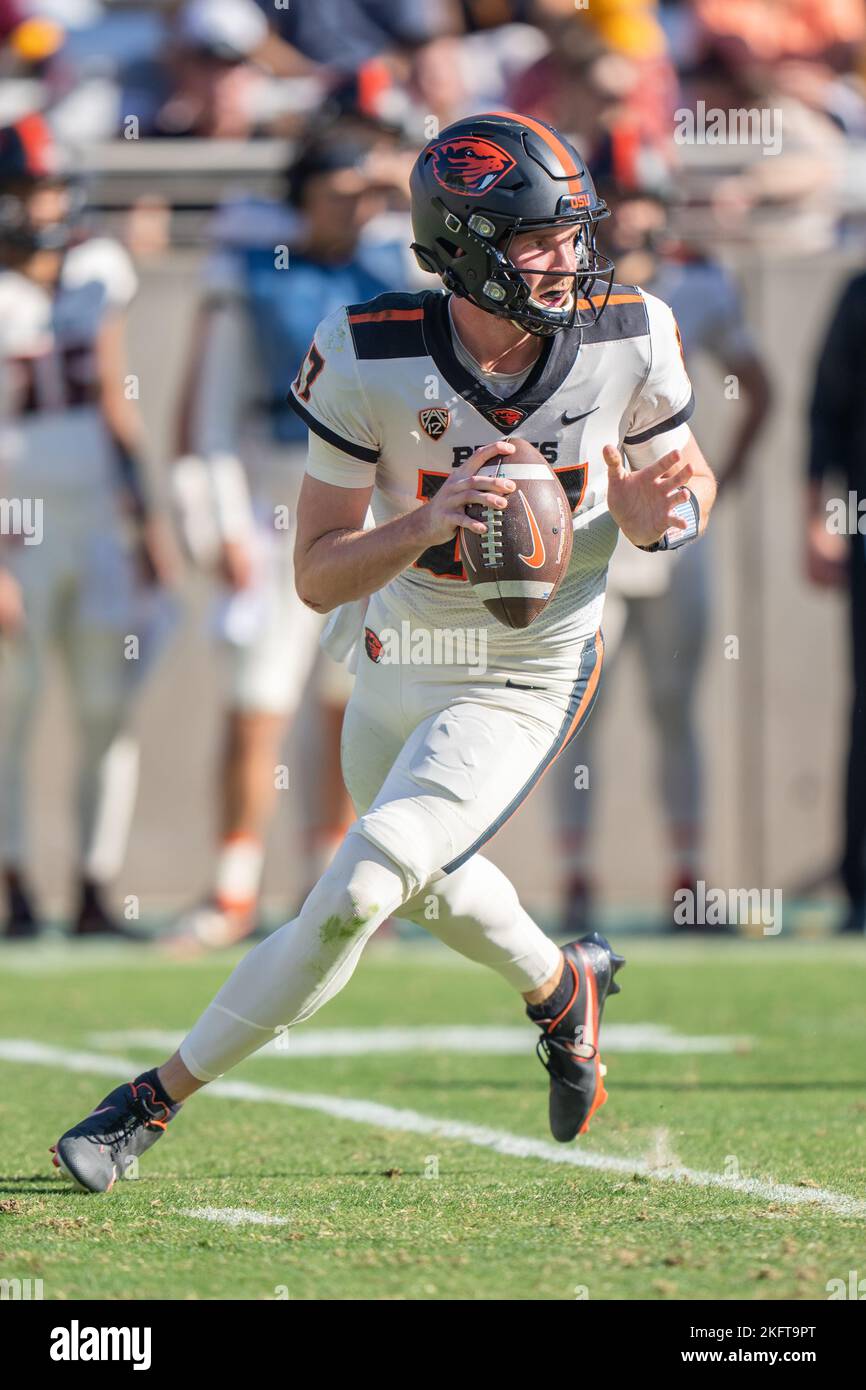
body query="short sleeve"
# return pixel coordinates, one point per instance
(334, 466)
(329, 397)
(105, 260)
(666, 400)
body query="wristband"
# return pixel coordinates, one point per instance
(689, 510)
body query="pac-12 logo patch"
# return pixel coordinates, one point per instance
(470, 165)
(435, 420)
(372, 643)
(506, 416)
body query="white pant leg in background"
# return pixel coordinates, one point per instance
(670, 631)
(669, 628)
(271, 637)
(77, 589)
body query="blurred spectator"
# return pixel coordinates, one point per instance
(581, 87)
(343, 35)
(609, 83)
(774, 176)
(772, 31)
(207, 83)
(28, 45)
(397, 59)
(833, 560)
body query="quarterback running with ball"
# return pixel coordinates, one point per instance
(405, 398)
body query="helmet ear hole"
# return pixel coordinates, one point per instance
(449, 248)
(425, 260)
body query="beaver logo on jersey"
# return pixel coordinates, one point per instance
(435, 420)
(372, 644)
(470, 165)
(505, 416)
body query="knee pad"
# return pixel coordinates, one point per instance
(361, 887)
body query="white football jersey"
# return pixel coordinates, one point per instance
(389, 405)
(52, 434)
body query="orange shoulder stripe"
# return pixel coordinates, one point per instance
(387, 315)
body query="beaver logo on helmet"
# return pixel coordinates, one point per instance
(470, 165)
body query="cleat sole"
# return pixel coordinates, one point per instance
(68, 1173)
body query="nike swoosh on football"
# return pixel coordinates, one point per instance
(538, 556)
(573, 419)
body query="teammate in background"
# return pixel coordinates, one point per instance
(662, 603)
(837, 451)
(274, 270)
(532, 337)
(70, 444)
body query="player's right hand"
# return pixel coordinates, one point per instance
(442, 515)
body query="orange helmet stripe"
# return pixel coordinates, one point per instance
(553, 143)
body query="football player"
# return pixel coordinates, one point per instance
(83, 581)
(405, 397)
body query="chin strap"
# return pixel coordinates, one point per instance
(690, 512)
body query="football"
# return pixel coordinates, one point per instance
(517, 565)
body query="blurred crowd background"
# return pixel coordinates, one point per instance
(200, 135)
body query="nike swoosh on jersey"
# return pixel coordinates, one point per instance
(573, 419)
(538, 556)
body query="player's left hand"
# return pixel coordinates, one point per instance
(642, 503)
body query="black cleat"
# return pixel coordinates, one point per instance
(568, 1046)
(854, 921)
(22, 922)
(99, 1150)
(93, 918)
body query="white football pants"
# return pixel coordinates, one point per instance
(436, 760)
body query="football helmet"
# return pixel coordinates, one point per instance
(29, 159)
(488, 179)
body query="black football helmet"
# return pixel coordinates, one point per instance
(29, 159)
(490, 178)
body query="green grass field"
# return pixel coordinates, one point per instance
(358, 1203)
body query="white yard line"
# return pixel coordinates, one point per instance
(367, 1112)
(489, 1041)
(234, 1216)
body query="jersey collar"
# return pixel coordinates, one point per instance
(555, 361)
